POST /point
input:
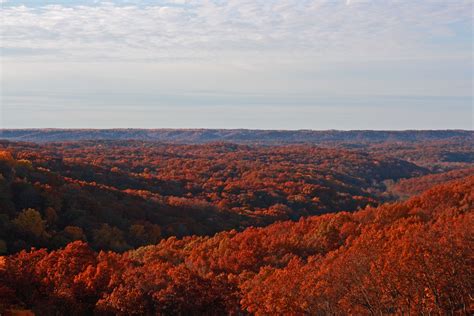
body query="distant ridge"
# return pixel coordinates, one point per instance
(233, 135)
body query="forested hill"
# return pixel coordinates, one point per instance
(118, 195)
(404, 258)
(234, 135)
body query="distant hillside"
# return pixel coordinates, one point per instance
(406, 188)
(123, 194)
(233, 135)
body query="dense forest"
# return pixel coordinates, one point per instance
(415, 257)
(111, 226)
(118, 195)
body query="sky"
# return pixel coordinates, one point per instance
(260, 64)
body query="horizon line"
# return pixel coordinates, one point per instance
(227, 129)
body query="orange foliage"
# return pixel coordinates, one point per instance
(413, 257)
(109, 192)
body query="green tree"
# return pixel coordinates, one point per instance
(30, 222)
(109, 237)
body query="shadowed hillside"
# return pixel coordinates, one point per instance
(118, 195)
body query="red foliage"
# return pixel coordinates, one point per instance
(109, 193)
(407, 257)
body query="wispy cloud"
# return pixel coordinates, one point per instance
(238, 30)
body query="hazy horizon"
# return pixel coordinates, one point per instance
(231, 129)
(279, 65)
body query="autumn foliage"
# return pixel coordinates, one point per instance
(114, 227)
(414, 257)
(118, 195)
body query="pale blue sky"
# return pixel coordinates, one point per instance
(352, 64)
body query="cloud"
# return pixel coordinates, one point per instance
(236, 63)
(234, 31)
